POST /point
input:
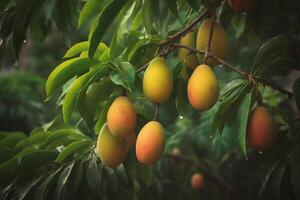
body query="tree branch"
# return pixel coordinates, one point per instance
(235, 69)
(156, 113)
(206, 171)
(208, 45)
(187, 29)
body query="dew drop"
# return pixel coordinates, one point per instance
(180, 117)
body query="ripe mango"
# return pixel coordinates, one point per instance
(197, 181)
(189, 60)
(158, 81)
(261, 130)
(219, 43)
(241, 5)
(111, 150)
(121, 117)
(203, 88)
(150, 143)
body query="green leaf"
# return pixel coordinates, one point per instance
(278, 65)
(94, 176)
(182, 102)
(146, 173)
(88, 102)
(25, 159)
(65, 71)
(24, 12)
(63, 180)
(239, 23)
(104, 20)
(77, 48)
(230, 96)
(69, 103)
(102, 117)
(296, 90)
(83, 47)
(34, 140)
(242, 120)
(73, 150)
(142, 52)
(172, 5)
(124, 37)
(124, 75)
(195, 4)
(270, 50)
(62, 136)
(44, 188)
(147, 15)
(11, 139)
(90, 8)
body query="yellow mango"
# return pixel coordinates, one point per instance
(158, 81)
(203, 88)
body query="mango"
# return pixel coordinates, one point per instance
(189, 60)
(219, 43)
(158, 81)
(121, 117)
(261, 129)
(241, 5)
(197, 181)
(203, 88)
(111, 150)
(150, 143)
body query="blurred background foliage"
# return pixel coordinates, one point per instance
(59, 160)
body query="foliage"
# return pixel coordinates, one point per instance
(62, 164)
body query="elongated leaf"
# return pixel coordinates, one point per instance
(242, 120)
(65, 71)
(12, 138)
(279, 65)
(270, 50)
(146, 173)
(124, 75)
(72, 149)
(69, 103)
(104, 20)
(147, 15)
(172, 5)
(24, 12)
(88, 102)
(94, 176)
(63, 180)
(90, 8)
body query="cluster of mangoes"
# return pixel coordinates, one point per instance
(117, 136)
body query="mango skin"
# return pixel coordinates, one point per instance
(150, 143)
(189, 60)
(111, 150)
(203, 88)
(158, 81)
(219, 43)
(121, 117)
(261, 129)
(197, 181)
(241, 5)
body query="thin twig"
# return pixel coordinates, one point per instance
(208, 44)
(235, 69)
(213, 176)
(187, 29)
(155, 117)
